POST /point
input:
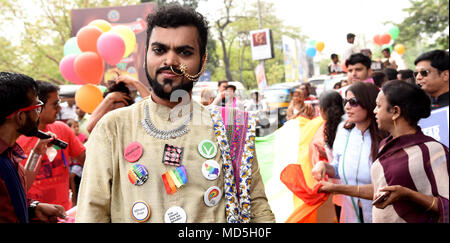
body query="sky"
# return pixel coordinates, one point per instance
(321, 20)
(330, 20)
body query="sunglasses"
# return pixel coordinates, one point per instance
(352, 101)
(423, 73)
(37, 107)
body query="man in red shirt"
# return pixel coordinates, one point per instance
(19, 114)
(51, 179)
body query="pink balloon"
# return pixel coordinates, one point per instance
(111, 47)
(66, 67)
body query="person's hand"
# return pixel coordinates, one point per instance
(394, 193)
(41, 145)
(49, 213)
(326, 186)
(308, 111)
(117, 97)
(319, 171)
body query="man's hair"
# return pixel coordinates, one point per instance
(391, 73)
(350, 35)
(120, 87)
(221, 82)
(14, 93)
(359, 58)
(438, 59)
(232, 87)
(386, 49)
(174, 15)
(407, 74)
(333, 55)
(45, 88)
(379, 78)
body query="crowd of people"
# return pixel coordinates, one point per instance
(168, 160)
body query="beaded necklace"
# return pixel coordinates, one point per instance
(153, 131)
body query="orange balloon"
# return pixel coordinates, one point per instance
(385, 39)
(89, 67)
(320, 45)
(377, 40)
(87, 38)
(400, 49)
(88, 97)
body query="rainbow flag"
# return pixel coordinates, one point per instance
(288, 145)
(274, 153)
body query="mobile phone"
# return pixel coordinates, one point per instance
(380, 198)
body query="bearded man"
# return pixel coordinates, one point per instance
(168, 158)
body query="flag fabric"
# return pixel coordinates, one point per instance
(274, 153)
(282, 155)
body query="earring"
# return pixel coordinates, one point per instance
(395, 124)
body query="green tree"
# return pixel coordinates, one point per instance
(233, 30)
(425, 28)
(46, 28)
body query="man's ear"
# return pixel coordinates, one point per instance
(445, 75)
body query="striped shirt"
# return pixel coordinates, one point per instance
(419, 163)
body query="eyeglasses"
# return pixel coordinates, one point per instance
(352, 101)
(38, 108)
(423, 73)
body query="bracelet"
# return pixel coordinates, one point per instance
(432, 204)
(357, 192)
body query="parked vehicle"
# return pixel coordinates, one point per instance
(278, 97)
(324, 82)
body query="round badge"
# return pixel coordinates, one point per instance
(133, 152)
(211, 170)
(207, 149)
(140, 212)
(175, 215)
(212, 196)
(138, 174)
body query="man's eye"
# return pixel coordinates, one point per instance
(186, 53)
(158, 50)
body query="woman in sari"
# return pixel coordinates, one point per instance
(410, 174)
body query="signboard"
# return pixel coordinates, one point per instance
(436, 125)
(206, 77)
(133, 16)
(262, 44)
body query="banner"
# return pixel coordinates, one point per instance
(436, 125)
(133, 16)
(262, 44)
(261, 77)
(296, 67)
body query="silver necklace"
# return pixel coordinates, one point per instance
(153, 131)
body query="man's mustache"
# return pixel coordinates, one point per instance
(168, 68)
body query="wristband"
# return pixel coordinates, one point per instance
(32, 209)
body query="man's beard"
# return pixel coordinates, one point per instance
(30, 127)
(158, 89)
